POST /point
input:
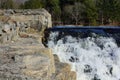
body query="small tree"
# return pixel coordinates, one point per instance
(53, 6)
(78, 10)
(7, 4)
(109, 10)
(91, 11)
(75, 12)
(33, 4)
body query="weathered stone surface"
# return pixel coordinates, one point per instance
(22, 54)
(13, 22)
(63, 71)
(26, 59)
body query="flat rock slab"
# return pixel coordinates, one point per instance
(25, 59)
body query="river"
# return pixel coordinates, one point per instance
(94, 57)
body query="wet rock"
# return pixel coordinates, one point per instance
(73, 59)
(87, 69)
(96, 77)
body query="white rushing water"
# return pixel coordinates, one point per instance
(92, 58)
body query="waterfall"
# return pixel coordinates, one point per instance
(94, 57)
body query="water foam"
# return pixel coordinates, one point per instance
(93, 58)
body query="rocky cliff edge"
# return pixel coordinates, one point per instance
(22, 54)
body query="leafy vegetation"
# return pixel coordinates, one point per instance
(7, 4)
(33, 4)
(78, 12)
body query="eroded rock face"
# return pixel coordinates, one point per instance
(14, 22)
(8, 32)
(63, 71)
(26, 59)
(22, 54)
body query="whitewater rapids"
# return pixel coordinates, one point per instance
(92, 58)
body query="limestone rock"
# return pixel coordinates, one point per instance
(13, 22)
(26, 59)
(63, 71)
(22, 54)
